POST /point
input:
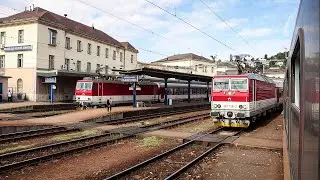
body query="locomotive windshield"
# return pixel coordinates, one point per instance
(84, 85)
(221, 84)
(239, 84)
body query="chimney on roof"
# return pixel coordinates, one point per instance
(32, 7)
(92, 26)
(25, 8)
(65, 15)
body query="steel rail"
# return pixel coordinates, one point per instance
(147, 116)
(191, 163)
(34, 133)
(144, 163)
(31, 161)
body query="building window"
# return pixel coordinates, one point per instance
(68, 44)
(98, 50)
(114, 55)
(20, 60)
(89, 48)
(51, 62)
(2, 61)
(88, 67)
(78, 66)
(3, 38)
(120, 56)
(19, 86)
(131, 58)
(107, 53)
(20, 36)
(106, 68)
(52, 37)
(67, 64)
(196, 68)
(79, 48)
(212, 69)
(98, 68)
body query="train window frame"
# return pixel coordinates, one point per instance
(296, 75)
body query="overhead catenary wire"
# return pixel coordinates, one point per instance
(64, 48)
(134, 24)
(215, 39)
(216, 14)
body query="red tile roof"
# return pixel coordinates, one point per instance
(128, 46)
(72, 26)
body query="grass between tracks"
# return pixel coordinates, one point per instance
(80, 134)
(14, 148)
(152, 141)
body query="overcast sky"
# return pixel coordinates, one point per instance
(267, 25)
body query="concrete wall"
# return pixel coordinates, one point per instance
(4, 94)
(198, 67)
(64, 92)
(27, 75)
(61, 53)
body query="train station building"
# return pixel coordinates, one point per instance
(39, 48)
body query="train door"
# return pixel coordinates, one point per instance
(100, 93)
(254, 95)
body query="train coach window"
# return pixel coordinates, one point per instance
(295, 81)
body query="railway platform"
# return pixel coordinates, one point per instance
(98, 114)
(21, 107)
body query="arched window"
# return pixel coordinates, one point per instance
(19, 86)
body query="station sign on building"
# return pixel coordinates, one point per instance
(129, 79)
(18, 48)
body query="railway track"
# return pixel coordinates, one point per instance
(147, 116)
(19, 159)
(4, 138)
(173, 162)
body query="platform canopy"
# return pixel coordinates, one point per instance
(166, 74)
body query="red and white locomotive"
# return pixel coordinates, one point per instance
(237, 100)
(95, 92)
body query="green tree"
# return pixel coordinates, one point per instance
(272, 64)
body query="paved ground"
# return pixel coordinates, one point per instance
(70, 118)
(268, 135)
(22, 104)
(169, 133)
(230, 163)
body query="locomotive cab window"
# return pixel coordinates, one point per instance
(239, 84)
(295, 80)
(80, 85)
(221, 84)
(88, 85)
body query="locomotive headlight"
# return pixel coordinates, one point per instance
(219, 105)
(240, 106)
(89, 99)
(214, 106)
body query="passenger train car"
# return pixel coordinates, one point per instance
(95, 92)
(238, 100)
(302, 98)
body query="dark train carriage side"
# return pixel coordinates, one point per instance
(302, 94)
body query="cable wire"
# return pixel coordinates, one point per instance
(227, 24)
(192, 26)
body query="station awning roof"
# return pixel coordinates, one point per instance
(166, 74)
